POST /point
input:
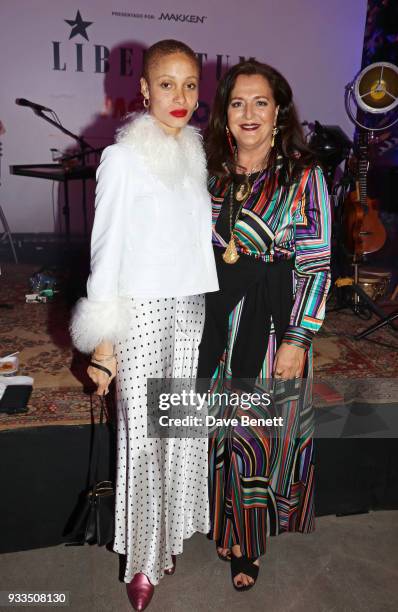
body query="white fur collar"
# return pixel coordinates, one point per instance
(172, 159)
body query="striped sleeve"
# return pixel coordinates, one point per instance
(312, 267)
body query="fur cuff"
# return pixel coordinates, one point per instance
(93, 322)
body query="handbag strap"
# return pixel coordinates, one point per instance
(97, 437)
(101, 367)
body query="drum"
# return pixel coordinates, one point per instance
(374, 281)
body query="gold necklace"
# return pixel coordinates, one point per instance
(244, 190)
(230, 255)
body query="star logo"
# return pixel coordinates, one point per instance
(78, 26)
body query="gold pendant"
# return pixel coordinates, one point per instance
(230, 255)
(242, 192)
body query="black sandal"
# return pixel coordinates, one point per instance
(243, 565)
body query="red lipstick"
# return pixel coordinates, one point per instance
(179, 112)
(249, 127)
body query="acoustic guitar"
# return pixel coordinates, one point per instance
(363, 230)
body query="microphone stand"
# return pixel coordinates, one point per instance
(82, 142)
(85, 149)
(6, 232)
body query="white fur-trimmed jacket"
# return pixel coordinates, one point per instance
(152, 229)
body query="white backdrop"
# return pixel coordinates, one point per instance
(316, 44)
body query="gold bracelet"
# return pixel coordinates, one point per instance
(105, 358)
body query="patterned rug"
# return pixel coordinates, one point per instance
(61, 387)
(40, 333)
(337, 353)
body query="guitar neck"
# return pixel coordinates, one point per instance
(363, 167)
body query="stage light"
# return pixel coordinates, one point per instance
(374, 90)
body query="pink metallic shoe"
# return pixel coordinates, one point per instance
(140, 591)
(170, 571)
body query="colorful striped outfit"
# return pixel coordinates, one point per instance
(262, 484)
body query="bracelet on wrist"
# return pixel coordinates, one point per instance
(100, 359)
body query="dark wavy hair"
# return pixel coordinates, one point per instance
(290, 145)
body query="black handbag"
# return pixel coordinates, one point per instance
(94, 521)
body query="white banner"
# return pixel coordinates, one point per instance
(83, 60)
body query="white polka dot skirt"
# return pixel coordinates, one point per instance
(161, 484)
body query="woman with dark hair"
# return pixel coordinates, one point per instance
(151, 263)
(271, 238)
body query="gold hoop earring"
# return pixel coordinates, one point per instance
(146, 102)
(274, 133)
